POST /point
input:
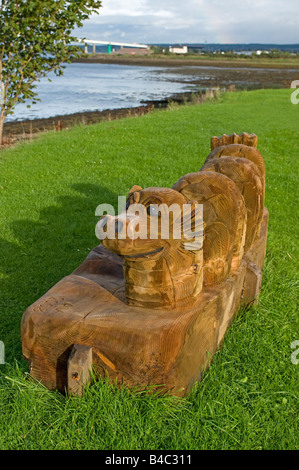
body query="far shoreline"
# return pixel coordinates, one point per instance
(158, 61)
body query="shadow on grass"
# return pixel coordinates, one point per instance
(46, 250)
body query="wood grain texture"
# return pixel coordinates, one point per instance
(241, 151)
(224, 217)
(149, 311)
(245, 174)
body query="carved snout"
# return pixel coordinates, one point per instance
(121, 226)
(118, 224)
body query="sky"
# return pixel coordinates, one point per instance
(195, 21)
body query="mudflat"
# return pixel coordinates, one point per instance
(166, 61)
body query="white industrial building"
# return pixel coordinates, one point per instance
(178, 49)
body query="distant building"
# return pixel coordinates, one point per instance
(178, 49)
(261, 52)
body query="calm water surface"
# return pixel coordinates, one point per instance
(90, 87)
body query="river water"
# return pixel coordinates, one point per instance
(91, 86)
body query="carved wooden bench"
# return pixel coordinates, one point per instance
(94, 317)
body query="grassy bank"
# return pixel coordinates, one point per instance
(49, 190)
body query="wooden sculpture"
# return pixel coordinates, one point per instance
(152, 311)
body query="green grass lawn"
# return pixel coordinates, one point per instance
(49, 190)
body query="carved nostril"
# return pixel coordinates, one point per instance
(103, 222)
(118, 226)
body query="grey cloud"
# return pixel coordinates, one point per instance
(159, 21)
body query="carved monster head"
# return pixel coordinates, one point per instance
(159, 236)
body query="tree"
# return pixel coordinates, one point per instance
(35, 39)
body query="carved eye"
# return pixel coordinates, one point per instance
(152, 210)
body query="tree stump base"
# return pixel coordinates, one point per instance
(134, 345)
